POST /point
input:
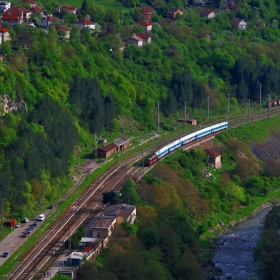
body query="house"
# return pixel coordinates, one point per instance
(233, 7)
(67, 8)
(135, 40)
(13, 15)
(171, 13)
(146, 37)
(214, 158)
(103, 227)
(122, 212)
(30, 2)
(107, 150)
(189, 121)
(4, 34)
(204, 34)
(4, 6)
(147, 25)
(122, 143)
(63, 29)
(83, 23)
(238, 23)
(147, 12)
(37, 9)
(48, 20)
(75, 258)
(207, 13)
(26, 14)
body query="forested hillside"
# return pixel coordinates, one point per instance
(92, 81)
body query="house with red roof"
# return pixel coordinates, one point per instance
(147, 12)
(67, 8)
(4, 34)
(147, 25)
(84, 22)
(37, 9)
(48, 20)
(238, 23)
(214, 158)
(13, 15)
(63, 29)
(146, 37)
(207, 13)
(134, 40)
(173, 12)
(4, 6)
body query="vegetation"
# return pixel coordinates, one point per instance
(181, 203)
(266, 251)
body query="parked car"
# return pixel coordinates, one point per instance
(50, 207)
(35, 224)
(17, 225)
(5, 254)
(41, 217)
(28, 231)
(25, 220)
(101, 160)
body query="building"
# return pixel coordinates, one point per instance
(103, 227)
(190, 121)
(114, 147)
(134, 40)
(214, 158)
(147, 12)
(30, 2)
(4, 6)
(62, 28)
(13, 15)
(4, 34)
(146, 37)
(48, 20)
(147, 25)
(75, 258)
(238, 24)
(83, 23)
(207, 13)
(173, 12)
(122, 212)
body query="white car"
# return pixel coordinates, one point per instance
(41, 217)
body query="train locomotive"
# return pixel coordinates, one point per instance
(183, 141)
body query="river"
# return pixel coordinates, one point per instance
(234, 256)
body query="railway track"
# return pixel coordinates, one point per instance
(44, 252)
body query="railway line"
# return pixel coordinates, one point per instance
(44, 252)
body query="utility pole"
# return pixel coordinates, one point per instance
(158, 119)
(95, 147)
(228, 101)
(260, 93)
(248, 110)
(208, 106)
(269, 106)
(2, 213)
(185, 116)
(123, 129)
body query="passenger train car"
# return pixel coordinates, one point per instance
(183, 141)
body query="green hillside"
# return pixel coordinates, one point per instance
(68, 89)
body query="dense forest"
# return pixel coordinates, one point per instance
(182, 202)
(90, 82)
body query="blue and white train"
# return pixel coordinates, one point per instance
(183, 141)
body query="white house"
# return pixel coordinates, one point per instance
(83, 23)
(207, 13)
(4, 6)
(238, 23)
(4, 34)
(48, 20)
(135, 40)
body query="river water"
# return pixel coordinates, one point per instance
(234, 256)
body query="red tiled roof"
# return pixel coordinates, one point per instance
(4, 29)
(60, 27)
(108, 147)
(213, 152)
(207, 12)
(29, 1)
(144, 23)
(36, 9)
(89, 248)
(85, 21)
(173, 10)
(143, 35)
(103, 223)
(69, 8)
(12, 13)
(136, 38)
(50, 18)
(145, 10)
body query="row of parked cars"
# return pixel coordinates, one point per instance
(40, 218)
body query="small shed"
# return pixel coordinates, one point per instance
(11, 223)
(75, 258)
(214, 158)
(190, 121)
(107, 150)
